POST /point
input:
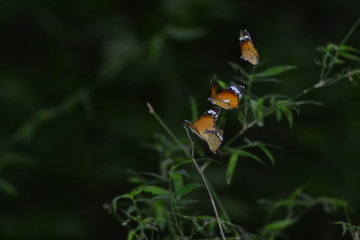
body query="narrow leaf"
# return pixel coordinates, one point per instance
(279, 225)
(187, 189)
(185, 34)
(274, 71)
(231, 167)
(156, 190)
(268, 154)
(177, 180)
(349, 56)
(131, 235)
(348, 48)
(250, 155)
(8, 188)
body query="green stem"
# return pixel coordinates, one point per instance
(152, 111)
(206, 185)
(349, 33)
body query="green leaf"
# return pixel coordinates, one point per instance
(156, 190)
(331, 47)
(8, 188)
(278, 225)
(348, 48)
(231, 167)
(177, 180)
(273, 80)
(274, 71)
(131, 235)
(222, 84)
(187, 189)
(288, 114)
(185, 34)
(298, 103)
(250, 155)
(278, 114)
(349, 56)
(234, 66)
(268, 154)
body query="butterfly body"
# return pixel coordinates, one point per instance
(247, 48)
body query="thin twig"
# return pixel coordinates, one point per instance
(206, 185)
(152, 111)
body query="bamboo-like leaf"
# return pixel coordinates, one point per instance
(177, 180)
(348, 48)
(8, 188)
(298, 103)
(288, 115)
(268, 154)
(279, 225)
(234, 66)
(231, 167)
(349, 56)
(250, 155)
(130, 235)
(278, 114)
(156, 190)
(187, 189)
(274, 71)
(185, 34)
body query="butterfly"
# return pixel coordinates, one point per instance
(205, 129)
(228, 98)
(248, 51)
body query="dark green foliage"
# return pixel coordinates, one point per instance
(166, 213)
(74, 80)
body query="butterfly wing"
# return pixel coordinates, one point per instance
(249, 52)
(228, 98)
(193, 129)
(205, 129)
(214, 139)
(247, 48)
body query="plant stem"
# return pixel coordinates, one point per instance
(352, 29)
(207, 186)
(152, 111)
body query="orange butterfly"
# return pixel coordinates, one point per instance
(228, 98)
(205, 128)
(248, 51)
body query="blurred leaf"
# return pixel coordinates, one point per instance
(222, 84)
(187, 189)
(155, 46)
(348, 48)
(244, 153)
(274, 71)
(131, 235)
(14, 158)
(156, 190)
(234, 66)
(8, 188)
(273, 80)
(339, 61)
(349, 56)
(185, 34)
(177, 180)
(331, 47)
(299, 103)
(278, 225)
(268, 154)
(231, 167)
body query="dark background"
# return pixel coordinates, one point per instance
(75, 77)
